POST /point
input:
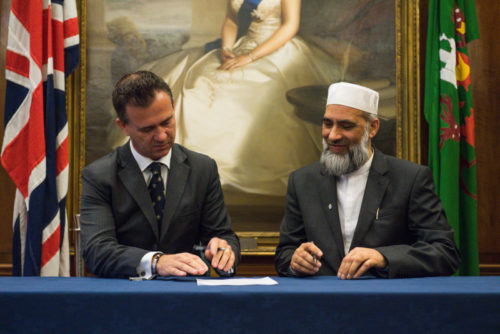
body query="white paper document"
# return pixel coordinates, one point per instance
(237, 281)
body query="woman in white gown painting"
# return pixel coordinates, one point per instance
(231, 102)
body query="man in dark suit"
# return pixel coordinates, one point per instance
(358, 211)
(148, 203)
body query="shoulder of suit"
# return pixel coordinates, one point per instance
(192, 156)
(107, 162)
(312, 168)
(399, 164)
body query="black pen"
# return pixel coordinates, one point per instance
(201, 248)
(314, 255)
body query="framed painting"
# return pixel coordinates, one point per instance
(259, 121)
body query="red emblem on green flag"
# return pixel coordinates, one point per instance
(448, 110)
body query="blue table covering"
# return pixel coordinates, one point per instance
(295, 305)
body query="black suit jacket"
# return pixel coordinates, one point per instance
(411, 230)
(117, 217)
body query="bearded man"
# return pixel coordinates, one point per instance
(358, 211)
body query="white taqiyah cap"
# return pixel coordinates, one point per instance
(354, 96)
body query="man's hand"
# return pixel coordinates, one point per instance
(305, 259)
(220, 253)
(180, 264)
(358, 261)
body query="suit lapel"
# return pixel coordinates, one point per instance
(376, 186)
(132, 178)
(176, 183)
(328, 190)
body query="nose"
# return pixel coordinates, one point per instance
(334, 134)
(160, 134)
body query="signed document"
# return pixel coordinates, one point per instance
(237, 281)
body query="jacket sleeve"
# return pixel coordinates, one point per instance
(292, 231)
(215, 218)
(433, 251)
(103, 255)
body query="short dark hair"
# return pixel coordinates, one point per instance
(137, 89)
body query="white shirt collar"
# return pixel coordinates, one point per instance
(144, 162)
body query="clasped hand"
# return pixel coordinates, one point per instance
(306, 261)
(358, 261)
(230, 61)
(218, 252)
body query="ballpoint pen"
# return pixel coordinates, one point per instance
(202, 248)
(314, 255)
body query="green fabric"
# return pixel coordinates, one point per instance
(448, 110)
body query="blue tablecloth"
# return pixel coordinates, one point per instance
(295, 305)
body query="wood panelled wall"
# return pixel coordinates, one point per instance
(484, 57)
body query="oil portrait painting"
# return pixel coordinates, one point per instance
(249, 89)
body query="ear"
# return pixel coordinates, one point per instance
(374, 126)
(122, 126)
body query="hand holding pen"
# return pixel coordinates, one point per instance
(219, 253)
(306, 259)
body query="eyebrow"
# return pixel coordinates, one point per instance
(342, 121)
(166, 120)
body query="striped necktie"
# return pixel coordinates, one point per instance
(156, 190)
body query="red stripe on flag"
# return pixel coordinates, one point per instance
(48, 43)
(62, 156)
(31, 18)
(17, 63)
(58, 47)
(27, 149)
(51, 246)
(71, 27)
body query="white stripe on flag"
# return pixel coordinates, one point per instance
(57, 12)
(71, 41)
(70, 11)
(48, 69)
(19, 37)
(64, 254)
(17, 122)
(59, 80)
(53, 226)
(37, 176)
(62, 183)
(21, 212)
(62, 135)
(51, 268)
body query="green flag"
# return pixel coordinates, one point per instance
(448, 110)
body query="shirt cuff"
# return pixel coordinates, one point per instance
(292, 272)
(144, 267)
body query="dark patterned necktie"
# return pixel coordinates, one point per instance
(156, 190)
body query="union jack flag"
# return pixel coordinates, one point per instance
(42, 49)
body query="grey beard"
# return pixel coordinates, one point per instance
(340, 164)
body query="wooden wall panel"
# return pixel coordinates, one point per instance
(484, 57)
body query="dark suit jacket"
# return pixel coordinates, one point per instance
(117, 217)
(411, 231)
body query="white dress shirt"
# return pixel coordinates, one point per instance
(144, 267)
(350, 191)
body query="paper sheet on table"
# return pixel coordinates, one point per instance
(237, 281)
